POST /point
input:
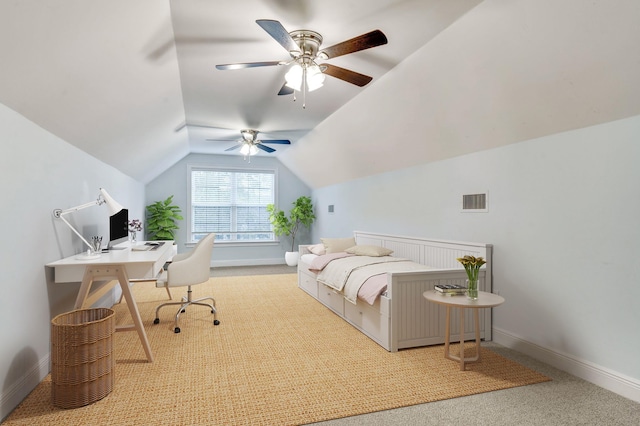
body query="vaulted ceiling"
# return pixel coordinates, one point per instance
(134, 83)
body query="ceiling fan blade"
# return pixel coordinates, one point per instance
(362, 42)
(285, 90)
(233, 148)
(346, 75)
(172, 43)
(265, 148)
(279, 33)
(247, 65)
(277, 141)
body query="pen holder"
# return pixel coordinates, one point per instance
(96, 245)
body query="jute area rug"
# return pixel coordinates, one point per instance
(277, 358)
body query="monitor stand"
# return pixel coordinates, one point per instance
(117, 244)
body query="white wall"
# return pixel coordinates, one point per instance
(563, 216)
(175, 181)
(40, 173)
(505, 72)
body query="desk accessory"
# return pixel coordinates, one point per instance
(103, 198)
(96, 244)
(450, 289)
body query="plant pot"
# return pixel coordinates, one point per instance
(291, 258)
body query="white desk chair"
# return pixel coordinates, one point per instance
(187, 269)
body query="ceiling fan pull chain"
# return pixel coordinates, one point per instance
(304, 87)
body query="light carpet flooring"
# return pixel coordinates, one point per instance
(564, 401)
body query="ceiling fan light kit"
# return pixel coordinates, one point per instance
(305, 77)
(248, 149)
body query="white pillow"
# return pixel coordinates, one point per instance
(317, 249)
(337, 245)
(375, 251)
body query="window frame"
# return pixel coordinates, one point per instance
(221, 168)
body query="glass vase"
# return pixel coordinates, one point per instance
(134, 236)
(472, 289)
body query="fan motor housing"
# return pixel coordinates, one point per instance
(308, 41)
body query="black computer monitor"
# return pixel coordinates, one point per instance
(119, 228)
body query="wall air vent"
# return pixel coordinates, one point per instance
(475, 203)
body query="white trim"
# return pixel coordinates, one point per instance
(16, 392)
(248, 262)
(221, 244)
(625, 386)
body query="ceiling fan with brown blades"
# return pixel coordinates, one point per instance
(304, 47)
(249, 144)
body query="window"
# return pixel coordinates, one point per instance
(232, 203)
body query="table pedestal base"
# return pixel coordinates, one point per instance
(447, 341)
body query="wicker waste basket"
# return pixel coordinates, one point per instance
(82, 362)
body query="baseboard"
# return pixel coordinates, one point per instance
(247, 262)
(15, 393)
(598, 375)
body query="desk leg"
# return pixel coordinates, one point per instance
(135, 314)
(118, 272)
(85, 287)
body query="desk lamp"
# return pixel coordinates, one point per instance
(103, 198)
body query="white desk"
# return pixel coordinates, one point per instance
(123, 265)
(485, 300)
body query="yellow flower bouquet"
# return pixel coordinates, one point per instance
(472, 265)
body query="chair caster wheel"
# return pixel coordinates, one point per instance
(216, 322)
(156, 321)
(176, 330)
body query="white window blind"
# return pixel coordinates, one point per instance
(231, 203)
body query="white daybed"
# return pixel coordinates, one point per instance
(401, 317)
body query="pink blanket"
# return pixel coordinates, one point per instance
(320, 262)
(372, 288)
(368, 285)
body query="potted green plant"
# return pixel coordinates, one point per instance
(301, 214)
(161, 219)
